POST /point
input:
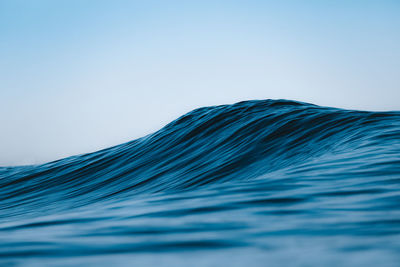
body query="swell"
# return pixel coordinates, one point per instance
(246, 141)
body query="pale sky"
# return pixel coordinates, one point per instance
(78, 76)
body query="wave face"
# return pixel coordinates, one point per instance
(259, 182)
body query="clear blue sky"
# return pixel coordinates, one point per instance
(77, 76)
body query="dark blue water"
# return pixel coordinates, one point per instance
(257, 183)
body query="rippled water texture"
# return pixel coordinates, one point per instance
(257, 183)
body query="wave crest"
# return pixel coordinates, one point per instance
(213, 145)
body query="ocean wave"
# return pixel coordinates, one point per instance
(334, 173)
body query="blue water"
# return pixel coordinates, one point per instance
(257, 183)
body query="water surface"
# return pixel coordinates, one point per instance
(257, 183)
